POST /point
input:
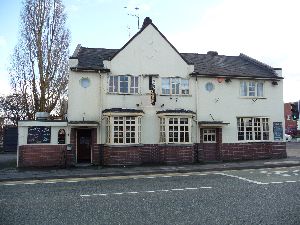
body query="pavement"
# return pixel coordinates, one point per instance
(8, 171)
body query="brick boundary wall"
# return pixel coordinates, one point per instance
(253, 151)
(56, 155)
(42, 155)
(148, 154)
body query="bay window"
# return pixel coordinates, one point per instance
(175, 129)
(123, 130)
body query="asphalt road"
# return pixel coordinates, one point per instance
(264, 196)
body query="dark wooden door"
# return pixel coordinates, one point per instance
(84, 146)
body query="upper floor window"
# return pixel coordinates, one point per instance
(123, 84)
(252, 88)
(175, 86)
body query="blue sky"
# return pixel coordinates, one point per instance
(267, 30)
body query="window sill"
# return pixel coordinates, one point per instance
(252, 97)
(256, 141)
(175, 144)
(109, 93)
(176, 95)
(124, 145)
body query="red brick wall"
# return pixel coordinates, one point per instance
(95, 148)
(253, 151)
(42, 155)
(146, 154)
(121, 155)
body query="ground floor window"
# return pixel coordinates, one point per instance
(123, 130)
(209, 135)
(175, 129)
(253, 128)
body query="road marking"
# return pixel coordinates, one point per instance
(241, 178)
(140, 192)
(290, 181)
(85, 195)
(276, 182)
(9, 184)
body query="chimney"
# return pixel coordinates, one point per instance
(41, 115)
(278, 71)
(212, 53)
(146, 22)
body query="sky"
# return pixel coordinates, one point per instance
(267, 30)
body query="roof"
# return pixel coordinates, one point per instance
(210, 64)
(232, 66)
(92, 58)
(122, 110)
(175, 111)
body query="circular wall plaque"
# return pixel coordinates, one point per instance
(85, 82)
(209, 86)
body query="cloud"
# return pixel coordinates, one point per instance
(265, 30)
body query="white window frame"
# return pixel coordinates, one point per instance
(114, 84)
(175, 86)
(252, 89)
(209, 135)
(122, 129)
(170, 130)
(253, 129)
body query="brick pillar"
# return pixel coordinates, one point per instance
(71, 155)
(95, 148)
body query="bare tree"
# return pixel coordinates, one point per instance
(39, 66)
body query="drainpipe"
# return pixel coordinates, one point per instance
(197, 131)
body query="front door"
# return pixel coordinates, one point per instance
(84, 146)
(210, 149)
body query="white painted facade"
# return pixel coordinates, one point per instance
(150, 53)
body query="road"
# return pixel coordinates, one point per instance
(263, 196)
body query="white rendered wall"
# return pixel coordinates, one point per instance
(225, 104)
(55, 127)
(83, 103)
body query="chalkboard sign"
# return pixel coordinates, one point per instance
(38, 135)
(278, 131)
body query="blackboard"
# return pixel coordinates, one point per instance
(38, 135)
(278, 131)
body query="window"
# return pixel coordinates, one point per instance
(174, 86)
(123, 84)
(252, 88)
(61, 137)
(39, 134)
(123, 130)
(253, 129)
(175, 130)
(209, 135)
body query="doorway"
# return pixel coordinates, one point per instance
(210, 144)
(84, 139)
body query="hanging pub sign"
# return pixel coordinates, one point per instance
(278, 131)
